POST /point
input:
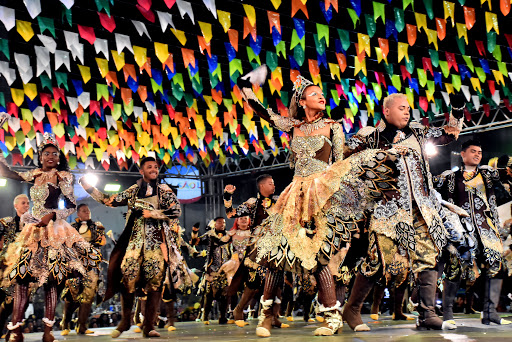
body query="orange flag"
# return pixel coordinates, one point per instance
(126, 95)
(143, 93)
(505, 7)
(294, 74)
(469, 17)
(342, 60)
(248, 28)
(411, 37)
(441, 28)
(188, 57)
(233, 38)
(129, 71)
(299, 5)
(274, 21)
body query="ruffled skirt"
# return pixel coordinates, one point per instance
(315, 216)
(49, 254)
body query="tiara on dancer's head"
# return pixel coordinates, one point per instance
(299, 86)
(48, 140)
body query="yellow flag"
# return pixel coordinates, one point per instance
(359, 66)
(476, 84)
(18, 95)
(488, 2)
(276, 3)
(421, 21)
(180, 35)
(462, 31)
(335, 70)
(403, 51)
(30, 90)
(161, 52)
(251, 14)
(498, 76)
(432, 37)
(491, 21)
(449, 88)
(103, 66)
(224, 20)
(449, 10)
(85, 71)
(118, 59)
(25, 30)
(140, 55)
(363, 43)
(206, 29)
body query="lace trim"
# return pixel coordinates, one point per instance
(48, 322)
(11, 326)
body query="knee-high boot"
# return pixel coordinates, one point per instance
(19, 306)
(171, 315)
(83, 316)
(276, 310)
(208, 302)
(352, 310)
(127, 300)
(67, 315)
(450, 289)
(222, 303)
(398, 303)
(50, 303)
(428, 319)
(152, 305)
(329, 305)
(238, 312)
(378, 294)
(492, 292)
(273, 281)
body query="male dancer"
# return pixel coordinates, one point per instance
(9, 229)
(405, 228)
(476, 189)
(147, 249)
(250, 273)
(81, 292)
(218, 253)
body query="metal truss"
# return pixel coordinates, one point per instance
(498, 118)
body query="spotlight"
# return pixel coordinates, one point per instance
(3, 182)
(61, 204)
(112, 187)
(455, 168)
(430, 149)
(91, 179)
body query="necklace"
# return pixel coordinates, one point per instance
(308, 127)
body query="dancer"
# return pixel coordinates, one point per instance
(302, 233)
(215, 283)
(80, 293)
(48, 250)
(147, 250)
(10, 227)
(250, 275)
(476, 189)
(405, 229)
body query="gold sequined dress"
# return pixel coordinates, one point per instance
(315, 216)
(55, 252)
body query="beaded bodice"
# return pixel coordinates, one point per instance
(308, 150)
(45, 198)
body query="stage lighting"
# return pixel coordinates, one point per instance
(430, 149)
(91, 179)
(3, 182)
(62, 205)
(112, 187)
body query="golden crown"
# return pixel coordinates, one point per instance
(48, 139)
(299, 86)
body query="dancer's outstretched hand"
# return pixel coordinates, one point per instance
(230, 189)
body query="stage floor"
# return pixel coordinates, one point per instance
(469, 328)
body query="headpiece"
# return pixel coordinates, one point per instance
(299, 86)
(48, 139)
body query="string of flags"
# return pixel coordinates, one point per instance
(120, 80)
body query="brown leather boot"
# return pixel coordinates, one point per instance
(265, 318)
(352, 310)
(127, 300)
(378, 293)
(332, 321)
(398, 314)
(152, 305)
(83, 317)
(48, 330)
(428, 319)
(276, 308)
(14, 334)
(238, 312)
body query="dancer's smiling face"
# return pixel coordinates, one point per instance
(243, 222)
(313, 98)
(49, 158)
(471, 156)
(149, 171)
